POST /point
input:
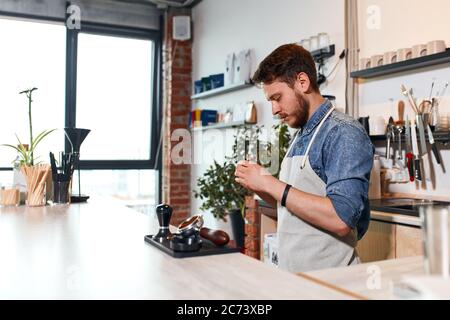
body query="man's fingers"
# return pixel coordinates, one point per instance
(243, 163)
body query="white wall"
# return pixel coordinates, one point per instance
(404, 23)
(221, 27)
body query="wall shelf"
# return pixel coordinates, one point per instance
(234, 124)
(439, 136)
(221, 90)
(402, 66)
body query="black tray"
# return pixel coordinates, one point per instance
(208, 248)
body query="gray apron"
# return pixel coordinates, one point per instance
(302, 246)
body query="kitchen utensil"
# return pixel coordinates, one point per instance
(399, 129)
(389, 137)
(164, 214)
(401, 112)
(408, 155)
(423, 148)
(191, 225)
(410, 166)
(417, 171)
(434, 146)
(412, 102)
(218, 237)
(431, 91)
(420, 126)
(76, 136)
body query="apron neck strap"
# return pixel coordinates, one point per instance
(314, 136)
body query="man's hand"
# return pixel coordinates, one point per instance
(253, 177)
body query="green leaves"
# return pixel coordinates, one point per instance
(26, 153)
(218, 189)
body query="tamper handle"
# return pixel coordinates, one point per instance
(218, 237)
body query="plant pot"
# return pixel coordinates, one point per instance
(237, 227)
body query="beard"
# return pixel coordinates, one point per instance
(301, 113)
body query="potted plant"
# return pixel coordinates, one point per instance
(217, 187)
(34, 173)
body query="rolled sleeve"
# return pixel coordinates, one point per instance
(348, 161)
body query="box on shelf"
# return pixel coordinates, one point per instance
(203, 118)
(198, 86)
(206, 84)
(217, 80)
(270, 247)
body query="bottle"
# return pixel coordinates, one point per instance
(375, 181)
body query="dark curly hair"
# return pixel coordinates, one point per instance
(284, 64)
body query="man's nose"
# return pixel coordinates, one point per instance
(275, 108)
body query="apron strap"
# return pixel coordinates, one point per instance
(305, 157)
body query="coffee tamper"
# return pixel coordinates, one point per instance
(164, 213)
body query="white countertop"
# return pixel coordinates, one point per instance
(97, 251)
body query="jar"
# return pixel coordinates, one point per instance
(324, 40)
(9, 196)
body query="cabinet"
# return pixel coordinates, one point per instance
(382, 241)
(385, 241)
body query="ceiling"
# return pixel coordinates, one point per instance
(152, 3)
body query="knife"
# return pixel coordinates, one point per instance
(434, 146)
(417, 172)
(423, 143)
(389, 134)
(408, 155)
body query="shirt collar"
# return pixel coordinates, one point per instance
(317, 117)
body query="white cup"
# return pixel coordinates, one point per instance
(377, 126)
(314, 43)
(419, 50)
(390, 57)
(306, 44)
(404, 54)
(436, 46)
(376, 60)
(364, 63)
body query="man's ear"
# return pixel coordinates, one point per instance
(303, 83)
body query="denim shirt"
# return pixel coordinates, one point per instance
(342, 156)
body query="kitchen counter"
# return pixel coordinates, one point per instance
(379, 212)
(97, 250)
(363, 279)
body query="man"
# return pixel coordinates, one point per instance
(321, 196)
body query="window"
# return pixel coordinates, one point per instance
(32, 55)
(101, 78)
(114, 96)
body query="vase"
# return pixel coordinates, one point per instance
(237, 227)
(36, 177)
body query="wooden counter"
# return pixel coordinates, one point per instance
(97, 251)
(362, 279)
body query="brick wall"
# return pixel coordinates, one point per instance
(177, 84)
(252, 228)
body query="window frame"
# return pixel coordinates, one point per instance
(155, 158)
(71, 81)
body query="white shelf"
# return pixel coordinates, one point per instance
(221, 90)
(234, 124)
